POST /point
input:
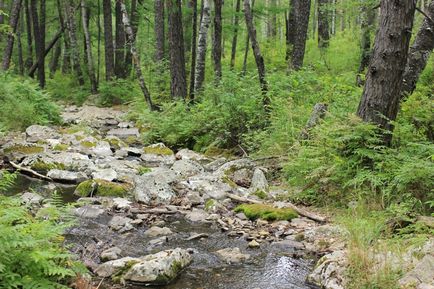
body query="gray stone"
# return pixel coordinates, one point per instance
(121, 204)
(110, 268)
(105, 174)
(31, 199)
(89, 212)
(232, 255)
(235, 165)
(156, 231)
(154, 188)
(186, 154)
(330, 271)
(102, 149)
(196, 215)
(67, 176)
(119, 223)
(242, 177)
(423, 272)
(35, 133)
(288, 245)
(111, 254)
(155, 160)
(124, 132)
(259, 181)
(187, 168)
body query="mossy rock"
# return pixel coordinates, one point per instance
(260, 194)
(115, 142)
(229, 181)
(143, 170)
(266, 212)
(155, 150)
(102, 188)
(209, 204)
(24, 149)
(60, 147)
(213, 151)
(88, 144)
(42, 166)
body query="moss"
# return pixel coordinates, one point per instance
(119, 275)
(102, 188)
(299, 237)
(260, 194)
(131, 140)
(209, 204)
(229, 181)
(79, 137)
(45, 167)
(213, 151)
(158, 151)
(60, 147)
(143, 170)
(24, 149)
(266, 212)
(114, 142)
(88, 144)
(164, 279)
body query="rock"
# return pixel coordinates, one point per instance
(125, 124)
(67, 176)
(35, 133)
(121, 204)
(259, 181)
(208, 186)
(233, 166)
(254, 244)
(119, 223)
(153, 188)
(196, 215)
(102, 149)
(124, 132)
(158, 155)
(288, 245)
(186, 154)
(242, 177)
(187, 168)
(330, 271)
(423, 272)
(160, 268)
(232, 255)
(195, 236)
(111, 254)
(194, 198)
(156, 231)
(426, 220)
(110, 268)
(31, 199)
(241, 216)
(105, 174)
(101, 188)
(89, 212)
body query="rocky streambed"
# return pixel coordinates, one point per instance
(150, 217)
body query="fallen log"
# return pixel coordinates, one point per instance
(301, 212)
(30, 172)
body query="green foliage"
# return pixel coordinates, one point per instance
(117, 91)
(6, 180)
(24, 104)
(266, 212)
(101, 188)
(65, 87)
(31, 247)
(143, 170)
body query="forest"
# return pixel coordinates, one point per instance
(218, 144)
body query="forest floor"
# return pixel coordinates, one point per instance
(147, 209)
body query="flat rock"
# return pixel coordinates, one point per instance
(110, 268)
(89, 212)
(67, 176)
(111, 254)
(35, 133)
(196, 215)
(232, 255)
(31, 199)
(187, 168)
(124, 132)
(186, 154)
(120, 223)
(154, 188)
(156, 231)
(105, 174)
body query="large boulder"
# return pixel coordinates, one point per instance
(36, 133)
(259, 181)
(155, 269)
(156, 231)
(67, 176)
(187, 168)
(154, 188)
(186, 154)
(330, 271)
(158, 155)
(423, 273)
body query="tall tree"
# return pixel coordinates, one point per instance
(13, 23)
(29, 58)
(66, 61)
(120, 40)
(368, 20)
(193, 4)
(109, 55)
(20, 47)
(70, 20)
(419, 52)
(90, 65)
(54, 62)
(202, 45)
(178, 83)
(217, 41)
(290, 30)
(2, 6)
(235, 36)
(380, 100)
(39, 35)
(256, 51)
(323, 23)
(159, 30)
(135, 55)
(134, 21)
(301, 17)
(272, 19)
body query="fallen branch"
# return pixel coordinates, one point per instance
(31, 172)
(156, 212)
(300, 211)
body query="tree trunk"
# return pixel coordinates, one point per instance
(20, 48)
(159, 30)
(235, 37)
(120, 43)
(301, 16)
(134, 26)
(256, 52)
(135, 56)
(290, 30)
(202, 45)
(217, 43)
(272, 19)
(178, 84)
(323, 24)
(98, 59)
(380, 100)
(66, 61)
(419, 53)
(108, 40)
(2, 6)
(13, 23)
(90, 66)
(368, 21)
(39, 36)
(54, 63)
(70, 13)
(193, 4)
(29, 58)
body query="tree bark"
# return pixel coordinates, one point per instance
(202, 45)
(120, 43)
(193, 4)
(135, 56)
(2, 6)
(235, 37)
(301, 16)
(70, 12)
(20, 47)
(217, 43)
(159, 30)
(13, 23)
(256, 52)
(108, 40)
(290, 30)
(419, 53)
(178, 83)
(134, 26)
(29, 58)
(380, 100)
(90, 65)
(54, 63)
(368, 21)
(323, 24)
(66, 61)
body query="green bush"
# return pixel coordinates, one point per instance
(118, 91)
(24, 104)
(32, 254)
(64, 87)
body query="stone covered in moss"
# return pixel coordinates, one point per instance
(41, 166)
(26, 149)
(60, 147)
(158, 149)
(87, 144)
(266, 212)
(102, 188)
(260, 194)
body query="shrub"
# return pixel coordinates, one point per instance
(24, 104)
(117, 91)
(65, 87)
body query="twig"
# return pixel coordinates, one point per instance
(424, 14)
(30, 171)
